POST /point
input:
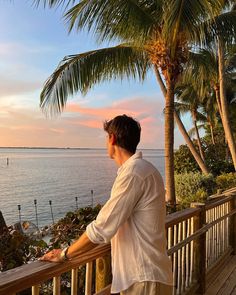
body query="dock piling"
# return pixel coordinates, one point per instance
(36, 213)
(50, 203)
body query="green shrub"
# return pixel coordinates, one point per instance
(226, 181)
(184, 161)
(215, 156)
(193, 187)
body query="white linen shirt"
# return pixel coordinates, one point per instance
(133, 219)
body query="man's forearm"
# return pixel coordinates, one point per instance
(83, 244)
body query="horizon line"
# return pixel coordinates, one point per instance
(68, 148)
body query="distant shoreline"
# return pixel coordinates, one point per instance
(66, 148)
(49, 148)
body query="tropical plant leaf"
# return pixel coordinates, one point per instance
(82, 71)
(115, 19)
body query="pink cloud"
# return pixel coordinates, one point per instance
(80, 126)
(57, 130)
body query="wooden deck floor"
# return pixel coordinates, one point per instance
(225, 283)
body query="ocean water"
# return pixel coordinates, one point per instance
(59, 176)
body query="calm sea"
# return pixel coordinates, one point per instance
(59, 176)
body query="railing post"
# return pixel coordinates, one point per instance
(232, 224)
(103, 272)
(199, 248)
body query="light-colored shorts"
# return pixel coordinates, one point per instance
(148, 288)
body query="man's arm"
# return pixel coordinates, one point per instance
(80, 246)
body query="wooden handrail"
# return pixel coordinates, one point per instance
(31, 274)
(177, 217)
(217, 202)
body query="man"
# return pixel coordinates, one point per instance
(133, 219)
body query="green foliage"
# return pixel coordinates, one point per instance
(72, 226)
(184, 161)
(193, 187)
(226, 181)
(17, 249)
(217, 159)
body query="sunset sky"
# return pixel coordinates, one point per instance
(32, 42)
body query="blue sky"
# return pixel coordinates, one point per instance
(32, 42)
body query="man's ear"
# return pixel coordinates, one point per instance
(113, 139)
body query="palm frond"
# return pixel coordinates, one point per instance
(201, 117)
(223, 25)
(192, 131)
(186, 16)
(54, 3)
(82, 71)
(112, 19)
(182, 108)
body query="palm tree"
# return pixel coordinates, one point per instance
(188, 101)
(210, 110)
(155, 34)
(204, 66)
(183, 130)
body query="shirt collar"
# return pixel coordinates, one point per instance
(137, 155)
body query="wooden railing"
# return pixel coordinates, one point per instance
(199, 240)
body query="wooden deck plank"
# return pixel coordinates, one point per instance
(229, 284)
(225, 283)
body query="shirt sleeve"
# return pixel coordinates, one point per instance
(124, 196)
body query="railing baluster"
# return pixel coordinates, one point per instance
(214, 236)
(74, 281)
(175, 264)
(180, 259)
(222, 230)
(35, 290)
(207, 239)
(184, 257)
(188, 255)
(56, 285)
(88, 280)
(225, 228)
(232, 225)
(191, 251)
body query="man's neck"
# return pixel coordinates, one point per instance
(121, 156)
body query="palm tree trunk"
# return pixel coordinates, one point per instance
(169, 139)
(198, 136)
(212, 133)
(169, 144)
(182, 129)
(224, 104)
(199, 141)
(217, 91)
(191, 146)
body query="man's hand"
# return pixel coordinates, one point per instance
(79, 247)
(53, 256)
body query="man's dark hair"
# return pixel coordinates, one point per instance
(126, 130)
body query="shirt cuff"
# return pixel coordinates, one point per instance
(94, 235)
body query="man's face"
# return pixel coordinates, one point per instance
(110, 145)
